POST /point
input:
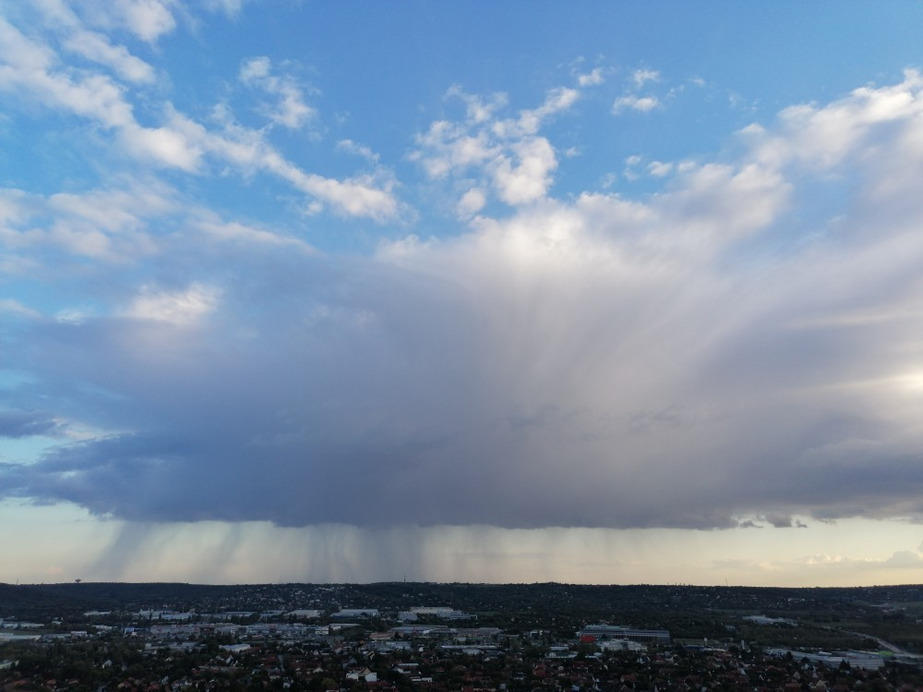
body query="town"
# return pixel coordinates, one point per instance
(403, 636)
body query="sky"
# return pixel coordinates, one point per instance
(511, 292)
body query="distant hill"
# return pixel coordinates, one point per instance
(666, 605)
(35, 600)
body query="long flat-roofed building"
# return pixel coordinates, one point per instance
(602, 632)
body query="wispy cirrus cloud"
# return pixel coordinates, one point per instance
(32, 69)
(93, 45)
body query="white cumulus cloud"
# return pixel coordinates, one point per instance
(642, 104)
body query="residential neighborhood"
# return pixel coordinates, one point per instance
(330, 644)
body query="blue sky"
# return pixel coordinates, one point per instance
(597, 292)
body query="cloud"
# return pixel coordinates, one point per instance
(357, 149)
(642, 104)
(243, 234)
(899, 560)
(471, 203)
(291, 111)
(17, 424)
(109, 224)
(633, 101)
(121, 225)
(28, 67)
(248, 151)
(592, 78)
(11, 306)
(526, 177)
(905, 559)
(147, 19)
(176, 307)
(505, 154)
(643, 76)
(660, 169)
(780, 521)
(93, 45)
(33, 69)
(680, 360)
(230, 7)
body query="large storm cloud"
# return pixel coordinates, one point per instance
(743, 344)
